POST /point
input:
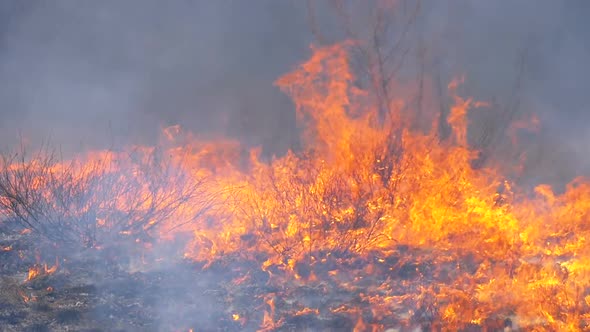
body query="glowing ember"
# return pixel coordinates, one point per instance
(26, 298)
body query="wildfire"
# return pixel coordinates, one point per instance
(397, 216)
(38, 270)
(26, 298)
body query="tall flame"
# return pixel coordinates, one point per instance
(475, 248)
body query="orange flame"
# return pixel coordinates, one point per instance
(38, 270)
(394, 198)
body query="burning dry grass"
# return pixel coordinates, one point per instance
(371, 225)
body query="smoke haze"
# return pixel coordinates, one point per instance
(96, 73)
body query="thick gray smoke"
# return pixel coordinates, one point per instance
(96, 73)
(492, 41)
(93, 73)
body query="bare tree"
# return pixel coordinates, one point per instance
(389, 47)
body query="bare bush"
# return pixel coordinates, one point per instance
(86, 202)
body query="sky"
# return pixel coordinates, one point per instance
(91, 74)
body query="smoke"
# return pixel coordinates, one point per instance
(490, 41)
(487, 40)
(90, 74)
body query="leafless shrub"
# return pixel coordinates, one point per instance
(86, 202)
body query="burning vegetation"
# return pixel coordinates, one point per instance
(376, 223)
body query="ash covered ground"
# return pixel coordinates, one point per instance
(117, 289)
